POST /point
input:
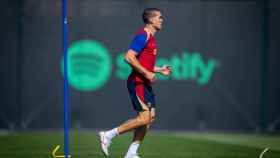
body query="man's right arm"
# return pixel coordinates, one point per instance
(130, 58)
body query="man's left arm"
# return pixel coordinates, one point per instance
(164, 70)
(157, 69)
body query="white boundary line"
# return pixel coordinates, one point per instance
(265, 150)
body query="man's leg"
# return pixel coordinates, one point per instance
(142, 119)
(140, 132)
(139, 135)
(137, 95)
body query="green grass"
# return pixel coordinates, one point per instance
(156, 145)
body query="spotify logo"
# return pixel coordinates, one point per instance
(89, 65)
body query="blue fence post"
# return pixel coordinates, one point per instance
(65, 90)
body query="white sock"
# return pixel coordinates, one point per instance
(133, 149)
(112, 133)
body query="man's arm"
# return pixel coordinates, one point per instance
(157, 69)
(130, 58)
(165, 70)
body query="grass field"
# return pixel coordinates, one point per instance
(156, 145)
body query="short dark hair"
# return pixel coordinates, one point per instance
(148, 13)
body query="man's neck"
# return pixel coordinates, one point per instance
(149, 28)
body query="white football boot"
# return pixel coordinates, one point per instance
(132, 156)
(104, 143)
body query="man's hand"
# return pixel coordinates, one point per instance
(153, 115)
(150, 76)
(165, 70)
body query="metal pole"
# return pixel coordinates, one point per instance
(65, 46)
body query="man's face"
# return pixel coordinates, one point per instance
(157, 20)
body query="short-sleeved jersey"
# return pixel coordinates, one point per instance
(144, 45)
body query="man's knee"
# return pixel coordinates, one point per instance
(144, 118)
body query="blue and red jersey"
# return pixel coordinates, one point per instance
(144, 44)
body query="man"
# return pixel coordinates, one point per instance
(141, 56)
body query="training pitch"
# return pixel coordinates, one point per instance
(84, 144)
